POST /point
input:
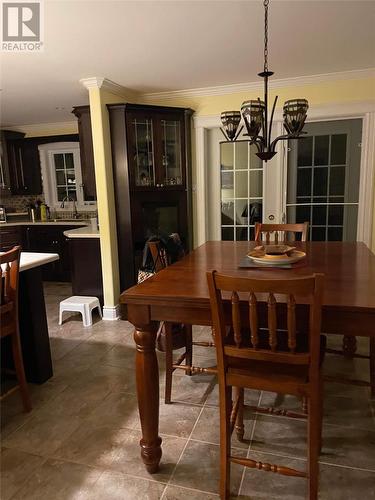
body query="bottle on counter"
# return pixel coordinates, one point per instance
(43, 212)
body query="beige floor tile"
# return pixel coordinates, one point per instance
(176, 419)
(116, 486)
(199, 467)
(59, 481)
(16, 467)
(351, 447)
(193, 389)
(208, 427)
(346, 484)
(42, 433)
(280, 435)
(118, 409)
(177, 493)
(342, 411)
(117, 449)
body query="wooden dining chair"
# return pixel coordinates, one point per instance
(268, 346)
(173, 336)
(280, 232)
(9, 278)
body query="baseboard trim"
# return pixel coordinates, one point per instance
(111, 313)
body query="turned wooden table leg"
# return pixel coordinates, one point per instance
(349, 346)
(147, 376)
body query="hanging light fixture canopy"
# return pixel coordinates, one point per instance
(255, 113)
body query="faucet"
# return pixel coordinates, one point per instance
(69, 198)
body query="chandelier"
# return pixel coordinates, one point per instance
(255, 113)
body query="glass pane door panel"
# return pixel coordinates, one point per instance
(144, 174)
(241, 190)
(323, 180)
(171, 151)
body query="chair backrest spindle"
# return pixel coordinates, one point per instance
(280, 232)
(236, 319)
(253, 320)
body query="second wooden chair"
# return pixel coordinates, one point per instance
(268, 347)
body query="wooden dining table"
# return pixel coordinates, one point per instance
(179, 293)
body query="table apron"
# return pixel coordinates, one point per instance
(334, 321)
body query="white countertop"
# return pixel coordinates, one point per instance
(82, 232)
(35, 259)
(47, 223)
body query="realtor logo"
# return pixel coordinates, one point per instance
(22, 26)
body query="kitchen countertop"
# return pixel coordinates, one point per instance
(60, 222)
(82, 232)
(35, 259)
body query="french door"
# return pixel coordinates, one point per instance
(319, 183)
(322, 179)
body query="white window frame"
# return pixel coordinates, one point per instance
(46, 152)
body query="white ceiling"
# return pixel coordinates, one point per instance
(170, 45)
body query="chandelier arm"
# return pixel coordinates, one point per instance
(280, 138)
(258, 144)
(271, 119)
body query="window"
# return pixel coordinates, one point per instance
(241, 190)
(62, 176)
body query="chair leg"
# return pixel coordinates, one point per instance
(168, 363)
(313, 443)
(189, 347)
(240, 429)
(20, 372)
(372, 366)
(60, 316)
(225, 437)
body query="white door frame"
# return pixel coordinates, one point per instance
(277, 167)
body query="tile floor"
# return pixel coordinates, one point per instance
(81, 439)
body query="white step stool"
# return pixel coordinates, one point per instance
(81, 304)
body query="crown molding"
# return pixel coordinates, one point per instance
(258, 85)
(96, 82)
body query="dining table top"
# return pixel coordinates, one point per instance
(349, 269)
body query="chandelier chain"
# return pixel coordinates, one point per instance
(265, 3)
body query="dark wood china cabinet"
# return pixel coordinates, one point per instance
(152, 176)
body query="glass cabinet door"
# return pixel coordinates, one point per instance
(144, 174)
(171, 168)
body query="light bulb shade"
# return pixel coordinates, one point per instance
(295, 112)
(230, 121)
(253, 115)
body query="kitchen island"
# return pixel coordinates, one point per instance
(32, 318)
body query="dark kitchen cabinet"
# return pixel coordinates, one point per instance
(86, 151)
(7, 157)
(151, 160)
(25, 174)
(11, 236)
(51, 239)
(20, 171)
